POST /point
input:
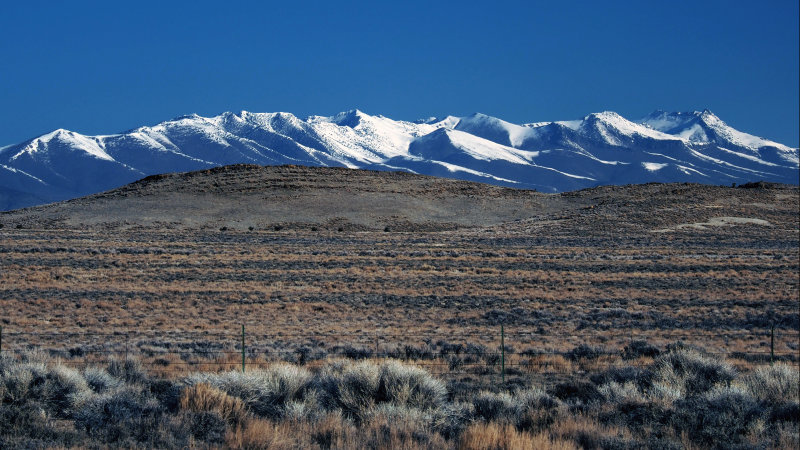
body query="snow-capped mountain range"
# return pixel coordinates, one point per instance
(601, 148)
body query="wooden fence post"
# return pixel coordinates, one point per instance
(772, 344)
(502, 353)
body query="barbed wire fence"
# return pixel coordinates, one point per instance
(493, 353)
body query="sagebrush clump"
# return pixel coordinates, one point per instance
(683, 397)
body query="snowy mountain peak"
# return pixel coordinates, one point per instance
(446, 122)
(615, 130)
(191, 116)
(230, 115)
(349, 118)
(428, 120)
(704, 127)
(707, 115)
(711, 119)
(449, 122)
(600, 148)
(57, 134)
(604, 116)
(61, 141)
(493, 129)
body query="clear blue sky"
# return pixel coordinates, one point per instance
(105, 67)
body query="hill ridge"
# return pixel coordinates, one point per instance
(248, 197)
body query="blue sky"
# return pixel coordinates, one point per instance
(105, 67)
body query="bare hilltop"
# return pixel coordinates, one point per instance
(274, 198)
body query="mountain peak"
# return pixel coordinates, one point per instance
(710, 118)
(427, 120)
(230, 114)
(673, 122)
(607, 119)
(493, 129)
(191, 116)
(349, 118)
(605, 115)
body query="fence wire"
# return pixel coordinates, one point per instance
(458, 355)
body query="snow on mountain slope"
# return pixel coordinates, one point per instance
(444, 144)
(64, 139)
(493, 129)
(365, 138)
(705, 127)
(601, 148)
(618, 131)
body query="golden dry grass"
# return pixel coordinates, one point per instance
(303, 293)
(585, 277)
(574, 425)
(203, 397)
(259, 434)
(333, 432)
(494, 436)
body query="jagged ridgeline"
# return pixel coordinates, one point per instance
(599, 149)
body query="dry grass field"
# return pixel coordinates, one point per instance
(616, 305)
(715, 266)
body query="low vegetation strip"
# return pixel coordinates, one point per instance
(475, 357)
(681, 398)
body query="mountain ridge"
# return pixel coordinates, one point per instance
(600, 148)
